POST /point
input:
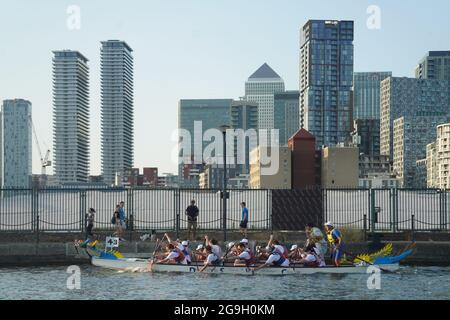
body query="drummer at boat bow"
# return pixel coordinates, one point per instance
(334, 237)
(278, 256)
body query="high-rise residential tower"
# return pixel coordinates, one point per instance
(261, 87)
(15, 144)
(410, 98)
(436, 65)
(366, 94)
(326, 80)
(117, 108)
(70, 117)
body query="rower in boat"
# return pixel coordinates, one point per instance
(334, 237)
(294, 253)
(315, 236)
(200, 253)
(278, 257)
(213, 252)
(211, 260)
(175, 256)
(245, 257)
(310, 258)
(184, 247)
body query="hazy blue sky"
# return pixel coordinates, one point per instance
(195, 49)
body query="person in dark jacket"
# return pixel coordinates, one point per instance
(192, 214)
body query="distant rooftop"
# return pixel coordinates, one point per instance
(439, 53)
(114, 42)
(264, 72)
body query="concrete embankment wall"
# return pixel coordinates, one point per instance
(428, 253)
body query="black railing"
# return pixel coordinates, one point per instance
(374, 210)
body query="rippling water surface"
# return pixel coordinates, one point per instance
(51, 283)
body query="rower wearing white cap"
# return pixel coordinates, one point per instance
(200, 254)
(294, 253)
(184, 247)
(334, 237)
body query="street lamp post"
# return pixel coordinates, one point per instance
(224, 129)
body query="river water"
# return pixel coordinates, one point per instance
(51, 283)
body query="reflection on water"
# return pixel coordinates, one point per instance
(96, 283)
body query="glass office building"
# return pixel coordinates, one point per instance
(286, 115)
(260, 88)
(196, 116)
(366, 94)
(326, 80)
(436, 65)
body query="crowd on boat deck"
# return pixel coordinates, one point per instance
(275, 253)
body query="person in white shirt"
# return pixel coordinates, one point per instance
(175, 256)
(213, 251)
(278, 256)
(310, 258)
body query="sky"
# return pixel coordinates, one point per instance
(187, 49)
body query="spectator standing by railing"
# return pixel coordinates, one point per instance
(192, 214)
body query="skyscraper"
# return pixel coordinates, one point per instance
(15, 144)
(326, 80)
(286, 115)
(366, 94)
(197, 116)
(244, 116)
(411, 136)
(409, 97)
(71, 116)
(117, 108)
(436, 65)
(261, 87)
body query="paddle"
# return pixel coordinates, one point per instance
(154, 252)
(226, 253)
(370, 263)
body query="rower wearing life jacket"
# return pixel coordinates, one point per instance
(184, 247)
(245, 256)
(175, 256)
(278, 256)
(214, 253)
(336, 243)
(310, 257)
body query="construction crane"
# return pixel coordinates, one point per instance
(45, 162)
